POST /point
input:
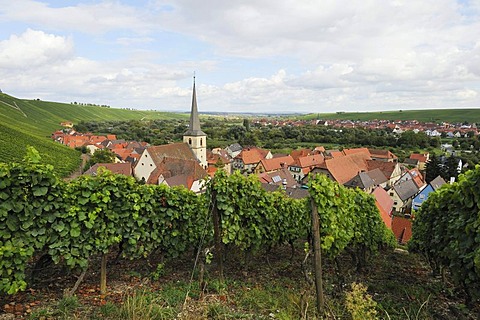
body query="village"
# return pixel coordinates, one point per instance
(399, 188)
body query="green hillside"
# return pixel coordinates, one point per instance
(437, 115)
(31, 122)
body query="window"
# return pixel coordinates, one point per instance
(189, 141)
(201, 142)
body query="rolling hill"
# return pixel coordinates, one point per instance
(433, 115)
(31, 122)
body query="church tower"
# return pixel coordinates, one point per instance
(194, 136)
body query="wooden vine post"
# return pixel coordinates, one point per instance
(317, 258)
(103, 275)
(217, 234)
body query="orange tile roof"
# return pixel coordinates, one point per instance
(252, 155)
(343, 169)
(382, 154)
(119, 168)
(174, 150)
(420, 157)
(300, 153)
(386, 167)
(384, 204)
(277, 163)
(172, 167)
(337, 154)
(402, 229)
(355, 150)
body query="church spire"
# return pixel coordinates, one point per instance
(194, 127)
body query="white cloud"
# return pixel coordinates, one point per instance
(320, 55)
(34, 48)
(91, 18)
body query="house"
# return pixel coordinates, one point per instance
(390, 169)
(382, 155)
(402, 229)
(274, 164)
(402, 194)
(343, 169)
(179, 172)
(234, 150)
(302, 166)
(363, 181)
(118, 168)
(280, 177)
(384, 204)
(379, 179)
(422, 159)
(249, 157)
(218, 160)
(434, 185)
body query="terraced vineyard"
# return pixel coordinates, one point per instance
(31, 122)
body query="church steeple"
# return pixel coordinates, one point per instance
(194, 127)
(194, 136)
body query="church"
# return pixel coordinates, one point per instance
(177, 163)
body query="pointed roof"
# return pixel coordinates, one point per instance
(194, 126)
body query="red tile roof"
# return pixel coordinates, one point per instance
(420, 157)
(252, 155)
(172, 167)
(386, 167)
(384, 204)
(119, 168)
(402, 229)
(343, 169)
(277, 163)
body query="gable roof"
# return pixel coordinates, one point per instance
(278, 178)
(277, 163)
(172, 167)
(377, 176)
(385, 204)
(402, 229)
(343, 169)
(300, 153)
(174, 150)
(382, 154)
(386, 167)
(361, 180)
(118, 168)
(437, 183)
(419, 156)
(405, 189)
(252, 155)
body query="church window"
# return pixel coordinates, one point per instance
(201, 142)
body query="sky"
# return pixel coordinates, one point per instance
(263, 56)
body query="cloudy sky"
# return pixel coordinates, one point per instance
(251, 56)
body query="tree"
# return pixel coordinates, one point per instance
(246, 124)
(433, 168)
(101, 156)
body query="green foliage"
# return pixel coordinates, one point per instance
(252, 218)
(447, 230)
(30, 200)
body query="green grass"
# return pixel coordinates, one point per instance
(432, 115)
